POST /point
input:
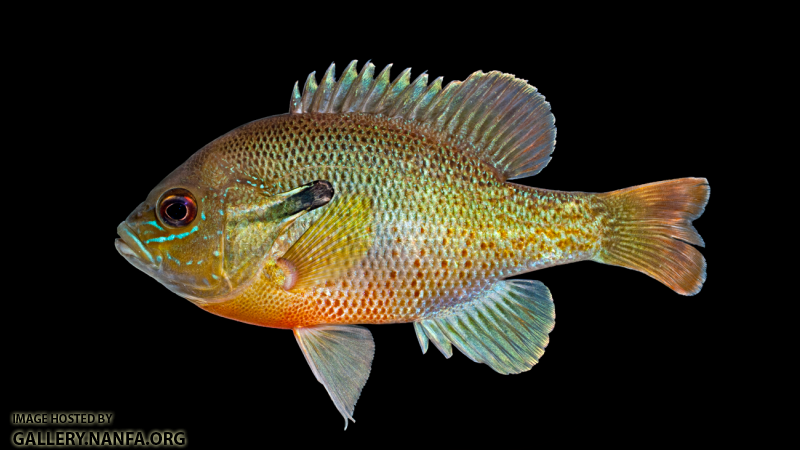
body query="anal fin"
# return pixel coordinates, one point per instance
(340, 357)
(506, 328)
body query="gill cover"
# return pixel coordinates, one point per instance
(251, 230)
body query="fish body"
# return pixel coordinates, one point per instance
(446, 226)
(376, 202)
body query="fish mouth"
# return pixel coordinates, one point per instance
(131, 248)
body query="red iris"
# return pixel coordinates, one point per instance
(177, 208)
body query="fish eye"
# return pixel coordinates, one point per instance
(177, 208)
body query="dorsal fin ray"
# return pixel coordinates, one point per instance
(500, 119)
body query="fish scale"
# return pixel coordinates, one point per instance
(446, 225)
(376, 201)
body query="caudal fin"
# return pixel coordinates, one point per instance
(649, 229)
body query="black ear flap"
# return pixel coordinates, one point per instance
(305, 198)
(318, 194)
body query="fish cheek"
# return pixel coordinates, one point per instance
(246, 243)
(190, 257)
(253, 226)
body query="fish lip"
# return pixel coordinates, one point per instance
(131, 248)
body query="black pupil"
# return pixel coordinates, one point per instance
(176, 211)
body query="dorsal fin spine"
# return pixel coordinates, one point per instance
(409, 95)
(308, 90)
(389, 97)
(360, 85)
(439, 104)
(297, 101)
(342, 87)
(449, 107)
(323, 94)
(425, 98)
(416, 89)
(492, 116)
(375, 94)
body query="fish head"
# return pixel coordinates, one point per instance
(205, 236)
(174, 236)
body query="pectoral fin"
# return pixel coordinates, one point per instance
(506, 328)
(333, 244)
(340, 357)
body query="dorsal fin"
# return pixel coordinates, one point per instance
(500, 119)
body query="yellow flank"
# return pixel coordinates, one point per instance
(446, 225)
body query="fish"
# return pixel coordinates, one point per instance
(379, 201)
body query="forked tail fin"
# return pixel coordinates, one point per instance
(649, 229)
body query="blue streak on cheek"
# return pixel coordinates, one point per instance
(154, 223)
(173, 259)
(203, 215)
(214, 277)
(221, 213)
(183, 235)
(172, 237)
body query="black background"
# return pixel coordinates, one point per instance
(628, 360)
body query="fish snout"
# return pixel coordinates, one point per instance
(131, 247)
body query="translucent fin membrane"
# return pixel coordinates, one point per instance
(340, 357)
(507, 328)
(333, 244)
(650, 229)
(498, 118)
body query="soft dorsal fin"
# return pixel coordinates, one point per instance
(497, 117)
